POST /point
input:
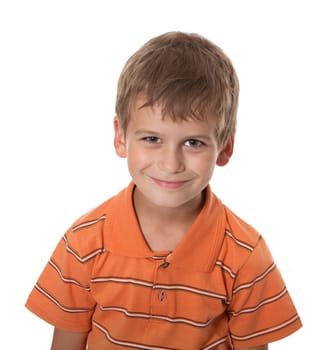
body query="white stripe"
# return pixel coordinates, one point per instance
(159, 257)
(158, 286)
(226, 268)
(272, 329)
(125, 343)
(259, 278)
(189, 289)
(65, 279)
(267, 301)
(218, 342)
(88, 223)
(86, 258)
(244, 245)
(158, 317)
(121, 280)
(58, 304)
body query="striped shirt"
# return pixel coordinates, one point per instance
(219, 288)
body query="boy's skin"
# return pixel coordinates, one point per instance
(171, 164)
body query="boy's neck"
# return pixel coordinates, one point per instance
(164, 227)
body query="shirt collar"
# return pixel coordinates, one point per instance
(197, 251)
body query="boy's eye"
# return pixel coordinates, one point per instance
(151, 139)
(194, 143)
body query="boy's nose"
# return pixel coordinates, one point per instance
(171, 161)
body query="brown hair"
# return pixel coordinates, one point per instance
(187, 75)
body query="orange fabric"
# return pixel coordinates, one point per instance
(219, 288)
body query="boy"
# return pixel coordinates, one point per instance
(164, 264)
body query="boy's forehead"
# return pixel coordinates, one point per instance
(140, 105)
(151, 118)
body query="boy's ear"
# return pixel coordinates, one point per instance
(119, 139)
(226, 153)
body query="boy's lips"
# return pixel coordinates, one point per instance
(171, 185)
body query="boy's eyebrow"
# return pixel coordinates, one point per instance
(144, 132)
(194, 136)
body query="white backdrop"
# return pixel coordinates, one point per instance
(59, 65)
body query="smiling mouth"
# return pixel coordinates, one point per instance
(169, 185)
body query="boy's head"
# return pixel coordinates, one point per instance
(187, 75)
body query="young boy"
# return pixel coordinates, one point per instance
(165, 264)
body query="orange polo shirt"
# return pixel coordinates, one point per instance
(219, 288)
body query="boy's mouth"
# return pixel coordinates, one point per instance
(170, 185)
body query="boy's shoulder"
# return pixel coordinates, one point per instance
(240, 241)
(87, 233)
(240, 230)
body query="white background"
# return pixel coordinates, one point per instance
(60, 61)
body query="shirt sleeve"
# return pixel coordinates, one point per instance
(261, 310)
(62, 295)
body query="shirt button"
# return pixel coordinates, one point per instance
(164, 264)
(162, 295)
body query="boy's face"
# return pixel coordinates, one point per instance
(170, 162)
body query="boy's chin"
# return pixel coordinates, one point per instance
(173, 200)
